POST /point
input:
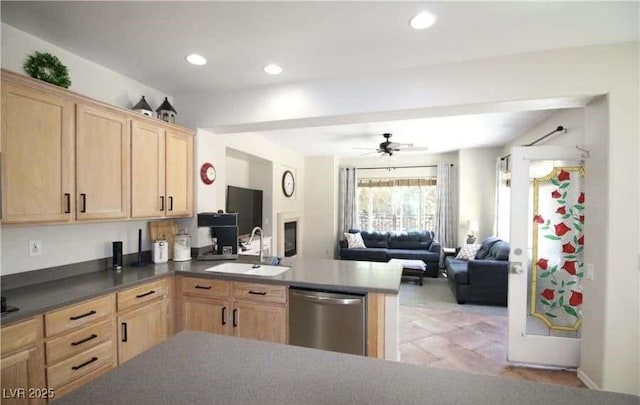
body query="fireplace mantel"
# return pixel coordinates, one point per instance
(284, 217)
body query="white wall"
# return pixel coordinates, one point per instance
(321, 207)
(237, 171)
(477, 191)
(493, 84)
(64, 244)
(211, 147)
(87, 78)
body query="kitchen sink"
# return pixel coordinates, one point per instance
(249, 269)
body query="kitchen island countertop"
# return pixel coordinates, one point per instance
(324, 274)
(200, 368)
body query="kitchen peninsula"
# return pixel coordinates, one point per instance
(196, 368)
(90, 323)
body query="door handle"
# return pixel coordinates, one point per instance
(235, 317)
(170, 203)
(224, 315)
(124, 331)
(161, 203)
(516, 268)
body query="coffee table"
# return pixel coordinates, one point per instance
(414, 268)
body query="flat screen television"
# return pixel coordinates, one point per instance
(248, 204)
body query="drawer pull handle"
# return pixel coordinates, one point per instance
(257, 292)
(86, 363)
(85, 340)
(224, 315)
(75, 318)
(161, 203)
(235, 317)
(124, 331)
(145, 294)
(67, 197)
(203, 287)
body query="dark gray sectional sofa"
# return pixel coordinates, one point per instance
(483, 280)
(384, 246)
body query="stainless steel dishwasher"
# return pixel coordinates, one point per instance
(327, 320)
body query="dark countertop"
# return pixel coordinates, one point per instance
(202, 368)
(334, 275)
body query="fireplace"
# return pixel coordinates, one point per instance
(289, 234)
(290, 238)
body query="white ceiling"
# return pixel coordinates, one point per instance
(147, 41)
(442, 134)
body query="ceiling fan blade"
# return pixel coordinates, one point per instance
(400, 145)
(414, 150)
(365, 148)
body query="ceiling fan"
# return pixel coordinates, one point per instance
(387, 148)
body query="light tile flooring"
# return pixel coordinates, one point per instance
(466, 341)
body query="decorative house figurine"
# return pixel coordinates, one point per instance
(166, 112)
(143, 108)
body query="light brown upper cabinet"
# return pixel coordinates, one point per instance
(37, 156)
(179, 160)
(161, 171)
(148, 197)
(102, 163)
(66, 158)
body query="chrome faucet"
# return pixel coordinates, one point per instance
(253, 233)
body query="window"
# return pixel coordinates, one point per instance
(396, 204)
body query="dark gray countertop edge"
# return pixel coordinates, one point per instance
(22, 314)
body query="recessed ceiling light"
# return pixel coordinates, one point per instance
(273, 69)
(422, 21)
(196, 59)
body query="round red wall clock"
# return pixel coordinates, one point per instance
(207, 173)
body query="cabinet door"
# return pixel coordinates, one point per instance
(140, 330)
(102, 163)
(19, 373)
(207, 315)
(260, 322)
(179, 174)
(37, 158)
(147, 170)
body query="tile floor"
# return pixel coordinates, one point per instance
(466, 341)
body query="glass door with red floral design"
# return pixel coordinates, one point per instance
(546, 260)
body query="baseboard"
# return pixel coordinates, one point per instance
(587, 381)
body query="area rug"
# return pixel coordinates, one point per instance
(436, 294)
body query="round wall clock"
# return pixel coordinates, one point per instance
(288, 183)
(207, 173)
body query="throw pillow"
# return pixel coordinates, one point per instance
(468, 252)
(354, 240)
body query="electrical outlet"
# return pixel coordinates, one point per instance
(35, 247)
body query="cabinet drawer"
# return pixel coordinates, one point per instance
(205, 287)
(78, 341)
(20, 335)
(144, 293)
(80, 365)
(78, 315)
(260, 292)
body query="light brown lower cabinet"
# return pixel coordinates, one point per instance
(140, 329)
(252, 311)
(22, 365)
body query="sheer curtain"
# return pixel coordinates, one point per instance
(445, 230)
(503, 199)
(348, 202)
